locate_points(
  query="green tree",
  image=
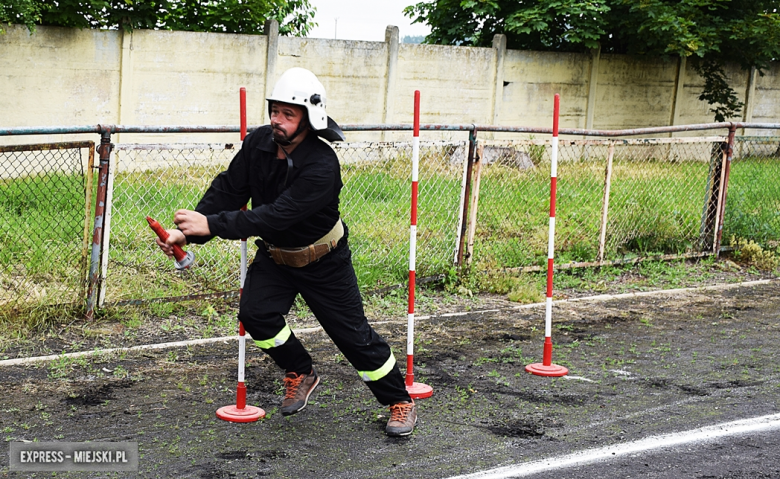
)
(295, 17)
(240, 16)
(712, 33)
(25, 12)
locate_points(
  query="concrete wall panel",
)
(455, 83)
(60, 77)
(693, 110)
(193, 78)
(634, 92)
(767, 99)
(352, 72)
(531, 80)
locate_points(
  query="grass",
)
(42, 234)
(753, 203)
(655, 207)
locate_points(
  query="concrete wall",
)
(634, 91)
(767, 94)
(60, 76)
(352, 72)
(530, 81)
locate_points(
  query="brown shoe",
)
(298, 388)
(403, 417)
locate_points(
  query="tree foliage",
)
(295, 17)
(26, 12)
(712, 32)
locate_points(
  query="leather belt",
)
(299, 257)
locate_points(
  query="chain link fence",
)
(753, 201)
(376, 205)
(45, 222)
(156, 180)
(616, 199)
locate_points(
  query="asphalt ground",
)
(641, 368)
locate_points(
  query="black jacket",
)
(287, 216)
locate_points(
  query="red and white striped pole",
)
(240, 412)
(546, 367)
(415, 390)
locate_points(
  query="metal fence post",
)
(97, 232)
(710, 217)
(605, 203)
(474, 204)
(724, 186)
(467, 194)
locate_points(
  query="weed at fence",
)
(137, 268)
(751, 253)
(379, 226)
(657, 209)
(490, 278)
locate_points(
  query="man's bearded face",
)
(285, 120)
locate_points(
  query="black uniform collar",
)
(300, 155)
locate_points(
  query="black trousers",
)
(329, 287)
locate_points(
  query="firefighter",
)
(293, 179)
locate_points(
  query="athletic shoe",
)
(298, 388)
(403, 417)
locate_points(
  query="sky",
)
(363, 19)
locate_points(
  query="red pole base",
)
(546, 367)
(551, 370)
(419, 390)
(240, 412)
(234, 414)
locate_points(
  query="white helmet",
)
(299, 86)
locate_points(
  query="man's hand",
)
(191, 223)
(174, 237)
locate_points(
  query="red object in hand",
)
(184, 259)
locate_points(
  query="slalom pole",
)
(546, 367)
(415, 390)
(240, 412)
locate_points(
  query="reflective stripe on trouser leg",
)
(277, 340)
(379, 373)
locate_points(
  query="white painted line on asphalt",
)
(609, 297)
(578, 378)
(715, 287)
(464, 313)
(665, 441)
(143, 347)
(12, 362)
(176, 344)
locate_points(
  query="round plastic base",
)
(234, 414)
(419, 391)
(553, 370)
(186, 262)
